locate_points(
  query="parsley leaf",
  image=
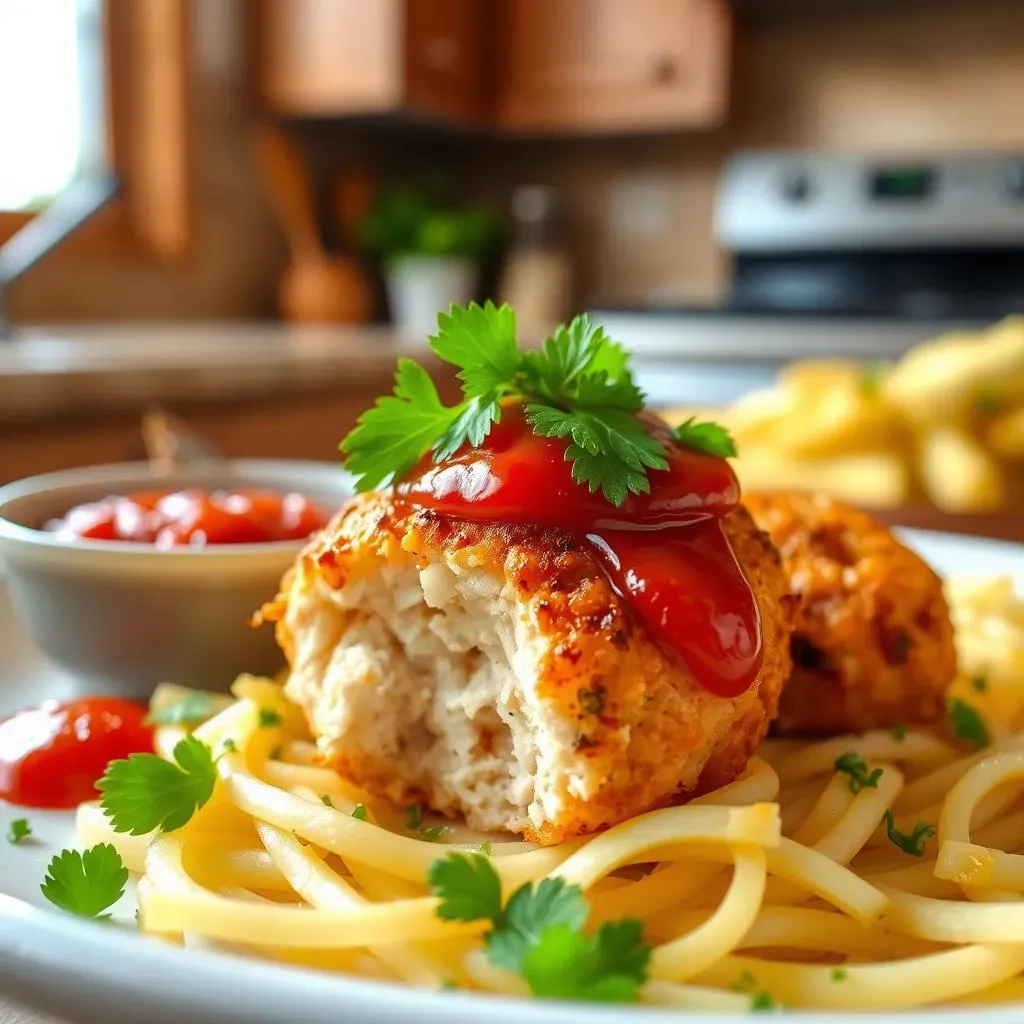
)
(412, 817)
(912, 843)
(531, 910)
(610, 452)
(229, 745)
(607, 967)
(468, 886)
(838, 974)
(359, 812)
(471, 426)
(433, 832)
(968, 724)
(708, 437)
(269, 718)
(762, 1002)
(389, 439)
(482, 341)
(872, 375)
(988, 402)
(191, 710)
(745, 982)
(573, 350)
(856, 767)
(484, 849)
(85, 883)
(144, 792)
(899, 731)
(18, 829)
(326, 800)
(539, 932)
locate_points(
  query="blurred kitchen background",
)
(241, 211)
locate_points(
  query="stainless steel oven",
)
(838, 255)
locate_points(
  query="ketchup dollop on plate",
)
(193, 518)
(52, 755)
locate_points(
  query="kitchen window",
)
(88, 85)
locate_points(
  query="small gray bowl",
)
(125, 616)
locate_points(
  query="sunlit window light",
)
(44, 48)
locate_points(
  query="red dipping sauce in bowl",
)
(126, 576)
(192, 518)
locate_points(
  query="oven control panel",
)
(792, 201)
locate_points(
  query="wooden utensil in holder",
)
(316, 287)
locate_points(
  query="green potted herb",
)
(431, 253)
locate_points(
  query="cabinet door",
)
(444, 67)
(614, 65)
(330, 56)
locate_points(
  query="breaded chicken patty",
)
(492, 671)
(873, 645)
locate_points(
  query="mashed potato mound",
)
(490, 671)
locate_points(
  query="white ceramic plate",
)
(89, 972)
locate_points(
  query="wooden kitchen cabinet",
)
(613, 65)
(558, 66)
(351, 57)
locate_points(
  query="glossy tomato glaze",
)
(193, 518)
(666, 551)
(51, 756)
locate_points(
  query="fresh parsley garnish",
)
(838, 974)
(484, 849)
(269, 718)
(899, 731)
(326, 800)
(577, 386)
(144, 792)
(592, 701)
(709, 437)
(968, 724)
(759, 1001)
(745, 982)
(853, 765)
(359, 812)
(871, 378)
(979, 684)
(229, 745)
(17, 830)
(85, 883)
(413, 816)
(912, 843)
(539, 935)
(190, 710)
(988, 402)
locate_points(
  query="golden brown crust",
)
(642, 722)
(874, 643)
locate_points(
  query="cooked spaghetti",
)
(873, 871)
